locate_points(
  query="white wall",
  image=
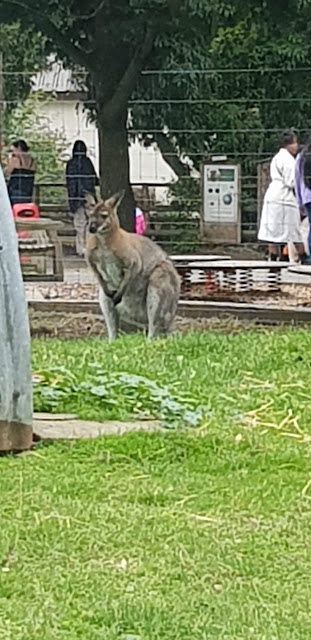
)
(69, 119)
(63, 117)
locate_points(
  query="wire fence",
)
(182, 124)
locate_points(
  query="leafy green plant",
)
(134, 395)
(24, 53)
(46, 146)
(186, 194)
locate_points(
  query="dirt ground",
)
(80, 285)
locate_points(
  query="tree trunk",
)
(15, 367)
(115, 166)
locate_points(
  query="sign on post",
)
(221, 202)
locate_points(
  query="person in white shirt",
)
(280, 218)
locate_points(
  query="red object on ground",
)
(210, 284)
(25, 211)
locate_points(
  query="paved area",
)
(80, 283)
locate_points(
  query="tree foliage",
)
(115, 39)
(24, 53)
(47, 147)
(237, 87)
(235, 91)
(200, 103)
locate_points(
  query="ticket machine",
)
(221, 214)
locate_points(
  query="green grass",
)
(188, 534)
(219, 376)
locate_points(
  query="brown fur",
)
(138, 282)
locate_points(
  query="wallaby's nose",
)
(92, 227)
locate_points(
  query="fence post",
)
(15, 363)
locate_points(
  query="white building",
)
(66, 115)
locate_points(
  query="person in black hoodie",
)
(81, 178)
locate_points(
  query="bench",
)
(301, 269)
(185, 258)
(43, 246)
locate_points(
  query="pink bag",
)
(140, 224)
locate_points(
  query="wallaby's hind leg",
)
(110, 314)
(162, 299)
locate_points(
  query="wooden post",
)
(15, 364)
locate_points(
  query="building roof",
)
(55, 79)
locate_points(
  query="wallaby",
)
(138, 282)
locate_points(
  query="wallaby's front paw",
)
(110, 294)
(114, 296)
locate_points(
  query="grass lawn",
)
(191, 534)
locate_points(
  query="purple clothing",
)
(303, 193)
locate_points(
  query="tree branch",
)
(170, 155)
(53, 32)
(119, 100)
(93, 14)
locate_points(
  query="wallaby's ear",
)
(99, 206)
(115, 200)
(89, 200)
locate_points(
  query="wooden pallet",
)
(40, 249)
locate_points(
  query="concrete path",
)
(48, 426)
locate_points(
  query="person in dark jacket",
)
(20, 172)
(81, 178)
